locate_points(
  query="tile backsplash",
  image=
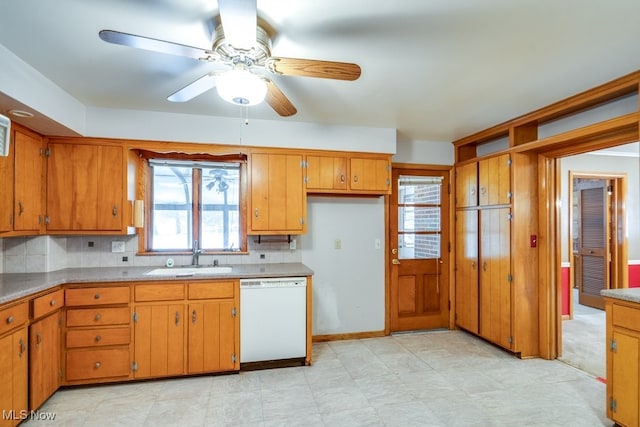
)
(49, 253)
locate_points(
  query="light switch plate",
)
(117, 246)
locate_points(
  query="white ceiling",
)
(432, 69)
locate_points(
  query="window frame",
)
(146, 232)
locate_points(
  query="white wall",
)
(591, 163)
(348, 284)
(424, 152)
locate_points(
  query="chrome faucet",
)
(196, 253)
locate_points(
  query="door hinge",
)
(306, 179)
(613, 405)
(135, 317)
(134, 366)
(47, 152)
(509, 161)
(234, 312)
(233, 358)
(613, 345)
(47, 220)
(449, 305)
(509, 277)
(303, 164)
(509, 195)
(449, 247)
(510, 340)
(301, 221)
(509, 216)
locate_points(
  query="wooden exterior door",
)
(419, 297)
(594, 241)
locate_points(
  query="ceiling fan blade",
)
(239, 21)
(194, 89)
(278, 101)
(314, 68)
(162, 46)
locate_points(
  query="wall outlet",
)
(337, 244)
(117, 246)
(292, 244)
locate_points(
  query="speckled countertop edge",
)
(14, 286)
(627, 294)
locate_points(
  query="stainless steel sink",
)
(188, 271)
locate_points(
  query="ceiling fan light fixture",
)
(241, 87)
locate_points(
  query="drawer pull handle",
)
(97, 365)
(9, 320)
(193, 317)
(355, 178)
(96, 296)
(98, 338)
(52, 302)
(177, 318)
(98, 317)
(38, 339)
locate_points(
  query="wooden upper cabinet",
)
(467, 185)
(370, 174)
(277, 199)
(326, 173)
(86, 186)
(29, 168)
(22, 175)
(494, 181)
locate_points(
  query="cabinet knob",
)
(96, 296)
(97, 317)
(9, 320)
(97, 365)
(342, 179)
(52, 302)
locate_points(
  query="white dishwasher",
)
(273, 319)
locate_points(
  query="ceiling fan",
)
(243, 50)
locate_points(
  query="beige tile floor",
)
(445, 378)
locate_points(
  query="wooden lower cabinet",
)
(44, 359)
(212, 337)
(97, 334)
(623, 362)
(466, 307)
(14, 364)
(159, 343)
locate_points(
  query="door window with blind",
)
(419, 224)
(195, 201)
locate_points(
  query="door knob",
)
(394, 251)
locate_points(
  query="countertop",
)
(627, 294)
(17, 285)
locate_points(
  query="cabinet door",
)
(370, 174)
(495, 276)
(277, 194)
(494, 181)
(624, 383)
(467, 270)
(326, 173)
(159, 340)
(44, 358)
(212, 332)
(6, 190)
(13, 376)
(467, 185)
(85, 185)
(29, 167)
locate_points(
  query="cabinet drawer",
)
(88, 364)
(47, 303)
(97, 296)
(159, 292)
(98, 337)
(626, 317)
(14, 316)
(211, 290)
(98, 316)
